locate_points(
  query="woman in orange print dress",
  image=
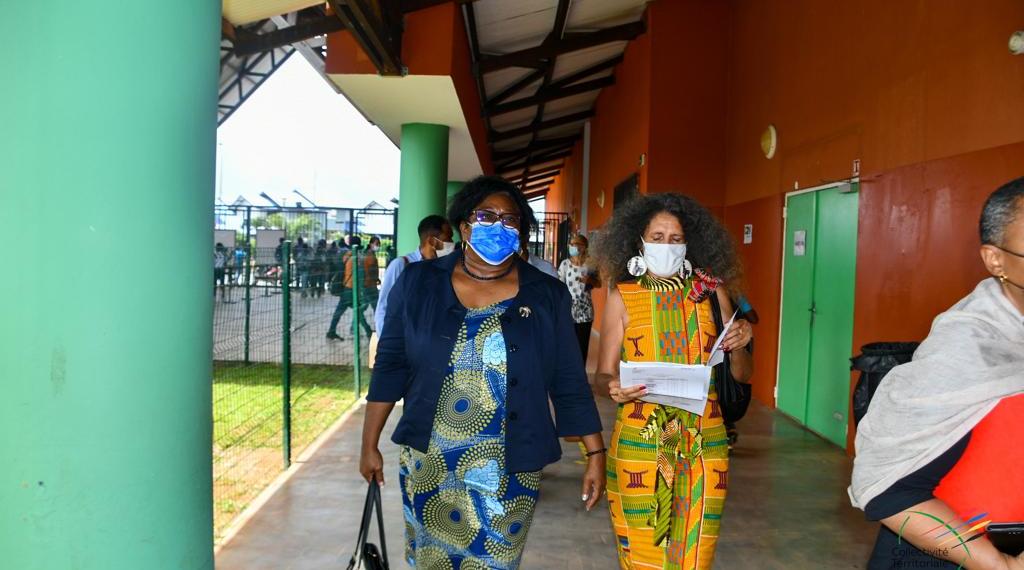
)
(669, 261)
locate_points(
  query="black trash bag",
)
(874, 362)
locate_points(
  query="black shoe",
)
(334, 336)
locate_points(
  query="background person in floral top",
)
(580, 280)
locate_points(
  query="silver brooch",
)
(524, 312)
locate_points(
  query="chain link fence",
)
(279, 381)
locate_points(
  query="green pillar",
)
(107, 190)
(423, 180)
(453, 188)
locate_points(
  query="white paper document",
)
(717, 356)
(666, 379)
(683, 386)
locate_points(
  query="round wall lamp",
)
(769, 141)
(1017, 43)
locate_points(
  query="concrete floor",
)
(310, 319)
(786, 509)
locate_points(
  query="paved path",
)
(310, 319)
(787, 509)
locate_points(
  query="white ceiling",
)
(240, 12)
(391, 102)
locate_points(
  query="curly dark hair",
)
(477, 190)
(708, 245)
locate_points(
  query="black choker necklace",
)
(481, 277)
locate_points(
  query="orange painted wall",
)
(619, 135)
(923, 94)
(434, 43)
(566, 192)
(465, 84)
(689, 63)
(427, 45)
(620, 131)
(891, 83)
(917, 251)
(926, 95)
(762, 261)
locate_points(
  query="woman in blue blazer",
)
(477, 344)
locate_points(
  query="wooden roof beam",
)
(587, 72)
(497, 136)
(538, 145)
(520, 163)
(528, 80)
(516, 173)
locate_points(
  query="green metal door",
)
(835, 261)
(797, 297)
(817, 326)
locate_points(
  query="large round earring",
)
(636, 266)
(687, 270)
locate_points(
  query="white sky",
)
(295, 132)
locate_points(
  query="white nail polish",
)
(585, 497)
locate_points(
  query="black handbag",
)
(733, 396)
(367, 556)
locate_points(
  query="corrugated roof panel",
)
(504, 26)
(568, 105)
(596, 14)
(563, 131)
(569, 63)
(513, 119)
(497, 81)
(512, 144)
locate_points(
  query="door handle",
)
(814, 311)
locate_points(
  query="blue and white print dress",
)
(462, 510)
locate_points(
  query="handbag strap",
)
(725, 384)
(375, 492)
(364, 525)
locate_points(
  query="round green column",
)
(423, 180)
(453, 188)
(107, 192)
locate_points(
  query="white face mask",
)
(664, 259)
(446, 248)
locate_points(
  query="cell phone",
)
(1008, 538)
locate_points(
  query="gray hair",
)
(1001, 209)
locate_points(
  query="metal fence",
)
(550, 238)
(278, 380)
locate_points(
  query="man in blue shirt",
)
(537, 261)
(435, 241)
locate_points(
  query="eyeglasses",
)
(1011, 252)
(489, 218)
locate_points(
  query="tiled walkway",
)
(787, 509)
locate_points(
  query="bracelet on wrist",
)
(590, 454)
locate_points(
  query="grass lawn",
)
(248, 426)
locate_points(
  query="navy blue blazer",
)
(422, 322)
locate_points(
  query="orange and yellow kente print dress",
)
(667, 468)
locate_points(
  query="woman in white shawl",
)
(917, 442)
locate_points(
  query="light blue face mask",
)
(494, 243)
(574, 251)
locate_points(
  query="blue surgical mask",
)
(494, 243)
(574, 251)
